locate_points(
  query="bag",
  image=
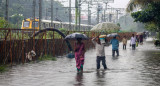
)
(71, 55)
(136, 44)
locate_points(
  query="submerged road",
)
(140, 67)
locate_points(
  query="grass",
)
(3, 68)
(47, 57)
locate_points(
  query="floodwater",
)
(140, 67)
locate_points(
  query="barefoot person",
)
(115, 46)
(124, 40)
(100, 52)
(79, 49)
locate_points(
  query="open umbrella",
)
(113, 35)
(105, 26)
(74, 36)
(139, 33)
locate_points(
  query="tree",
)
(150, 15)
(133, 4)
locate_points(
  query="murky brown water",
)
(140, 67)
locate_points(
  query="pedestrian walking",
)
(137, 40)
(115, 46)
(79, 49)
(141, 39)
(100, 52)
(133, 42)
(124, 40)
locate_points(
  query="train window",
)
(26, 24)
(44, 25)
(35, 23)
(49, 24)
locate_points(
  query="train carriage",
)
(29, 24)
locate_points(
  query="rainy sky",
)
(119, 3)
(116, 4)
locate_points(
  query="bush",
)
(2, 68)
(47, 57)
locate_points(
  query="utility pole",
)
(6, 13)
(105, 11)
(51, 13)
(88, 14)
(70, 15)
(79, 15)
(98, 14)
(117, 15)
(34, 3)
(40, 14)
(76, 14)
(56, 14)
(46, 13)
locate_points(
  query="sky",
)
(119, 3)
(116, 4)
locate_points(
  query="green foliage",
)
(47, 57)
(62, 29)
(151, 14)
(151, 27)
(3, 68)
(119, 24)
(16, 17)
(3, 23)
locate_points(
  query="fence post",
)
(53, 44)
(45, 44)
(10, 48)
(22, 49)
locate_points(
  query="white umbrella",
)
(76, 35)
(105, 26)
(139, 33)
(112, 35)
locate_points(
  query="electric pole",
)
(98, 14)
(105, 11)
(117, 15)
(89, 16)
(76, 14)
(70, 15)
(79, 15)
(40, 13)
(6, 13)
(34, 3)
(51, 13)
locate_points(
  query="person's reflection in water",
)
(100, 78)
(115, 58)
(79, 79)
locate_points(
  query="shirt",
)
(100, 51)
(133, 40)
(124, 41)
(115, 44)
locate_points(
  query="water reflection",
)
(100, 78)
(79, 79)
(115, 57)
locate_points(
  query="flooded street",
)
(140, 67)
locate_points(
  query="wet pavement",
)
(140, 67)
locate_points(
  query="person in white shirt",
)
(100, 52)
(133, 42)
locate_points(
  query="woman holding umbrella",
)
(79, 49)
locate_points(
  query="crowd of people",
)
(79, 49)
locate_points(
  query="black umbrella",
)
(76, 36)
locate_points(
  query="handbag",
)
(71, 55)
